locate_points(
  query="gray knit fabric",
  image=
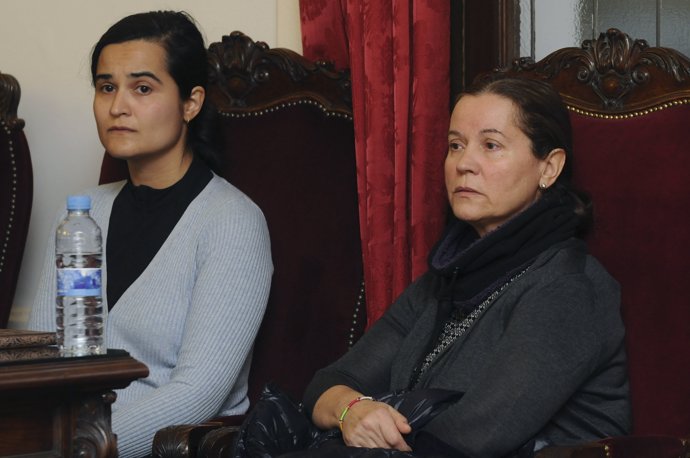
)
(191, 316)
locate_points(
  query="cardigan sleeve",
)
(42, 316)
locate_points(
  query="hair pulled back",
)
(544, 119)
(187, 63)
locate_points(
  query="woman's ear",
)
(192, 106)
(552, 166)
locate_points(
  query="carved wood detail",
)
(244, 73)
(93, 436)
(219, 442)
(10, 93)
(60, 407)
(178, 441)
(612, 74)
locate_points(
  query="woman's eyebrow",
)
(108, 76)
(492, 131)
(149, 74)
(483, 131)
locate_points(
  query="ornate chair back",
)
(287, 141)
(16, 192)
(630, 115)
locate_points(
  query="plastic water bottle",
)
(80, 315)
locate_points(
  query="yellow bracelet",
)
(346, 409)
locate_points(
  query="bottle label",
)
(79, 282)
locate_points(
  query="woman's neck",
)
(158, 173)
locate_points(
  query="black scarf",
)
(473, 267)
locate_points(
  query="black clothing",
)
(141, 220)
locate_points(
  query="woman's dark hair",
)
(187, 63)
(544, 119)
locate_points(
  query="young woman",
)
(187, 261)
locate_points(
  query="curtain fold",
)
(398, 53)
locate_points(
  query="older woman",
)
(513, 313)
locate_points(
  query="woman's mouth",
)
(464, 190)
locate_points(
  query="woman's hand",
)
(366, 423)
(375, 425)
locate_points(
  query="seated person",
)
(513, 314)
(187, 262)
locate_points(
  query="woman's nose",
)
(119, 105)
(465, 162)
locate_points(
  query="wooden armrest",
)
(184, 441)
(180, 440)
(623, 447)
(219, 442)
(590, 450)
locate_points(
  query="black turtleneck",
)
(141, 220)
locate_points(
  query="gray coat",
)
(546, 359)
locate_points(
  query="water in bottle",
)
(80, 313)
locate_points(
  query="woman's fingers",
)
(400, 421)
(375, 425)
(393, 438)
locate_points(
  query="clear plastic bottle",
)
(80, 317)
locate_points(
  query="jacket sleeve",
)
(366, 367)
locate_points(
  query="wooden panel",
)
(486, 37)
(36, 425)
(60, 407)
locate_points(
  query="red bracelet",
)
(346, 409)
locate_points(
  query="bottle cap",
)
(78, 202)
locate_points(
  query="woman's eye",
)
(107, 88)
(454, 146)
(491, 146)
(143, 89)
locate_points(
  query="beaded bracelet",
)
(347, 408)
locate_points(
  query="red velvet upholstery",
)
(631, 118)
(638, 171)
(298, 166)
(112, 170)
(288, 143)
(16, 192)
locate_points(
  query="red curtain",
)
(398, 52)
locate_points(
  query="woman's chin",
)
(120, 154)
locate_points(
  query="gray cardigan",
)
(191, 316)
(546, 359)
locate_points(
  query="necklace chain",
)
(458, 325)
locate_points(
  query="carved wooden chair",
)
(630, 110)
(288, 143)
(16, 192)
